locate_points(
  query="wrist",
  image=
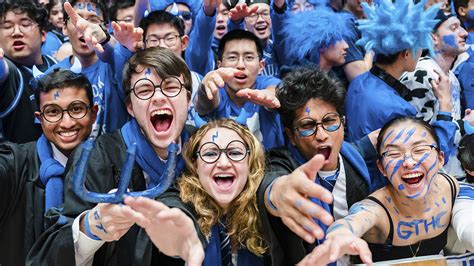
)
(87, 229)
(270, 204)
(107, 36)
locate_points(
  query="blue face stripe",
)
(386, 137)
(395, 169)
(398, 136)
(422, 159)
(409, 134)
(388, 164)
(450, 40)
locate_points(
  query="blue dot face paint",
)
(450, 40)
(307, 111)
(401, 187)
(424, 134)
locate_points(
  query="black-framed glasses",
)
(416, 152)
(210, 152)
(254, 16)
(144, 88)
(54, 113)
(307, 127)
(170, 40)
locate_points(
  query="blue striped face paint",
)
(398, 136)
(409, 134)
(395, 169)
(422, 159)
(386, 137)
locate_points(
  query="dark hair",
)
(306, 83)
(49, 6)
(458, 4)
(61, 79)
(98, 4)
(165, 63)
(239, 34)
(35, 12)
(387, 59)
(119, 5)
(405, 119)
(466, 152)
(162, 17)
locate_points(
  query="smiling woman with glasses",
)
(410, 216)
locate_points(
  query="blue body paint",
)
(437, 205)
(401, 187)
(388, 199)
(398, 136)
(444, 200)
(409, 134)
(96, 215)
(333, 228)
(406, 229)
(450, 40)
(101, 228)
(424, 134)
(386, 137)
(147, 72)
(215, 136)
(427, 209)
(388, 164)
(396, 210)
(395, 169)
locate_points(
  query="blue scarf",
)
(146, 156)
(213, 252)
(296, 154)
(51, 174)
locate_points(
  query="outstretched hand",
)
(264, 98)
(129, 36)
(171, 230)
(336, 247)
(291, 196)
(216, 79)
(240, 11)
(93, 33)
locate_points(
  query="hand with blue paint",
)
(264, 97)
(129, 36)
(170, 229)
(291, 195)
(106, 222)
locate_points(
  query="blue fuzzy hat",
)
(193, 5)
(393, 27)
(309, 32)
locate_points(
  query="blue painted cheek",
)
(401, 187)
(395, 169)
(422, 159)
(450, 40)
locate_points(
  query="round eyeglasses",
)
(54, 113)
(25, 26)
(169, 40)
(144, 88)
(210, 152)
(307, 127)
(416, 153)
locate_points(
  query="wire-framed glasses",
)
(54, 113)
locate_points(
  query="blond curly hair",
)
(243, 225)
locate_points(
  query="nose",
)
(321, 134)
(67, 121)
(408, 161)
(463, 32)
(345, 46)
(158, 96)
(16, 29)
(240, 63)
(223, 161)
(161, 43)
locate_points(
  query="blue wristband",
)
(270, 203)
(468, 128)
(88, 229)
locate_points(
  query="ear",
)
(380, 166)
(184, 42)
(130, 108)
(38, 116)
(435, 37)
(43, 36)
(219, 63)
(94, 111)
(462, 11)
(261, 66)
(291, 135)
(440, 159)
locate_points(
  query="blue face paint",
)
(398, 136)
(444, 200)
(409, 134)
(215, 136)
(101, 228)
(388, 164)
(56, 95)
(424, 134)
(427, 209)
(389, 200)
(307, 111)
(395, 169)
(450, 40)
(386, 137)
(422, 159)
(147, 72)
(401, 187)
(437, 205)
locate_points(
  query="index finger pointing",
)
(71, 13)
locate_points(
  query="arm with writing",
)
(344, 236)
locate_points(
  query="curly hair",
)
(35, 12)
(243, 225)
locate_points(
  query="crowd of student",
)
(255, 132)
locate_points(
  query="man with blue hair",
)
(396, 32)
(449, 41)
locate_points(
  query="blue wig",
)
(193, 5)
(394, 27)
(308, 32)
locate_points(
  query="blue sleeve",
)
(279, 38)
(199, 55)
(445, 130)
(466, 78)
(121, 54)
(3, 70)
(51, 45)
(264, 81)
(354, 52)
(234, 26)
(365, 148)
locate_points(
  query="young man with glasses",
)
(236, 86)
(158, 91)
(317, 176)
(85, 26)
(22, 31)
(31, 176)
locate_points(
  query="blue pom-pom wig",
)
(394, 27)
(307, 33)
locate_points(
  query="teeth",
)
(161, 112)
(413, 175)
(223, 175)
(68, 133)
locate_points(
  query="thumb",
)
(311, 168)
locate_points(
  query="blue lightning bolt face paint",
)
(214, 137)
(56, 95)
(147, 72)
(307, 111)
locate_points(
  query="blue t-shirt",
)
(52, 44)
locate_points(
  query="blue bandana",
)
(51, 174)
(146, 156)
